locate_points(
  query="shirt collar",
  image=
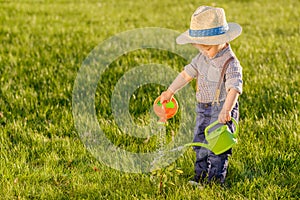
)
(222, 56)
(222, 52)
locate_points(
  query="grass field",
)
(43, 45)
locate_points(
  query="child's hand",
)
(224, 116)
(230, 101)
(166, 96)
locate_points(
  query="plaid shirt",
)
(208, 71)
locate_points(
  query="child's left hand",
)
(231, 99)
(224, 116)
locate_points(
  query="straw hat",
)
(209, 27)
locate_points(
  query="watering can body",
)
(165, 110)
(220, 139)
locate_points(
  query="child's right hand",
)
(166, 96)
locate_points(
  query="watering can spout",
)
(198, 144)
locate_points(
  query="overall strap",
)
(218, 91)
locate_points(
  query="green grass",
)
(43, 44)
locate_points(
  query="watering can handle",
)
(217, 122)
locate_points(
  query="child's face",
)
(209, 50)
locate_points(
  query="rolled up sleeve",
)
(191, 69)
(234, 77)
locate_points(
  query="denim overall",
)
(208, 166)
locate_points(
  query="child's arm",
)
(180, 81)
(230, 101)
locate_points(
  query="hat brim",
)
(234, 31)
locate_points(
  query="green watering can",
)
(219, 140)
